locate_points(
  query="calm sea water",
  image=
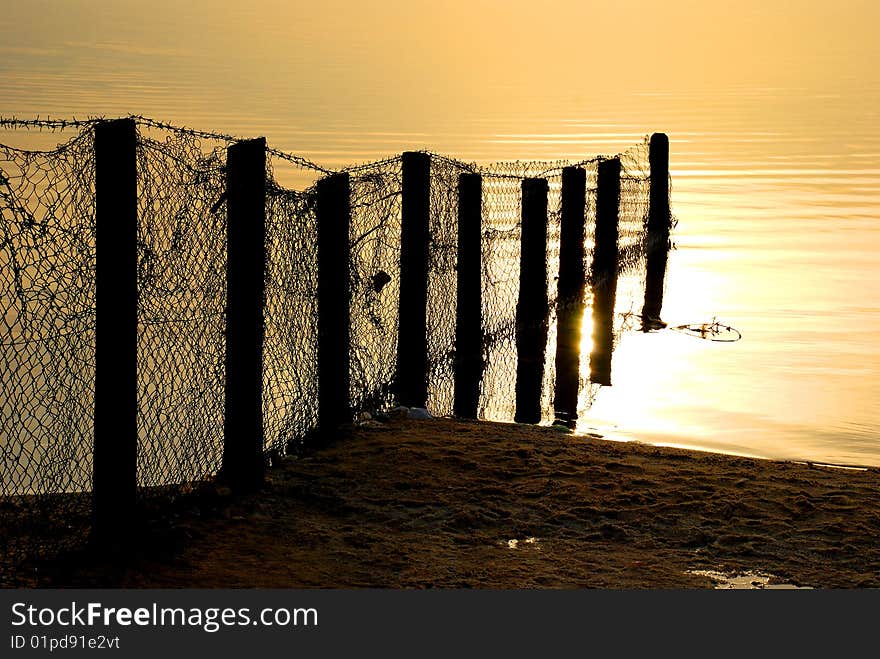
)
(775, 189)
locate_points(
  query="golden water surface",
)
(772, 108)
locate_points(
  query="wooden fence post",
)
(570, 295)
(243, 464)
(412, 342)
(468, 308)
(604, 271)
(114, 487)
(532, 307)
(659, 225)
(334, 297)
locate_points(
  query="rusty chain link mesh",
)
(290, 343)
(47, 348)
(375, 282)
(181, 301)
(635, 180)
(502, 196)
(442, 276)
(47, 271)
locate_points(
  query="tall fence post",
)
(334, 322)
(570, 296)
(114, 464)
(412, 352)
(243, 464)
(659, 225)
(604, 271)
(532, 307)
(468, 307)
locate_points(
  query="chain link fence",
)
(47, 348)
(47, 302)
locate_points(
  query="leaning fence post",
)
(243, 465)
(604, 270)
(114, 488)
(659, 220)
(334, 218)
(532, 307)
(468, 307)
(412, 352)
(570, 296)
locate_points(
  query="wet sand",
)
(455, 504)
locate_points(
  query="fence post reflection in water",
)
(412, 354)
(532, 307)
(468, 323)
(114, 487)
(570, 294)
(659, 224)
(243, 464)
(605, 268)
(334, 295)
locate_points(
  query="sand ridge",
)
(459, 504)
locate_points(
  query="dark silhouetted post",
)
(570, 297)
(243, 464)
(532, 307)
(334, 218)
(659, 224)
(468, 308)
(116, 301)
(604, 271)
(412, 353)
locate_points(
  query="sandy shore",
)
(452, 504)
